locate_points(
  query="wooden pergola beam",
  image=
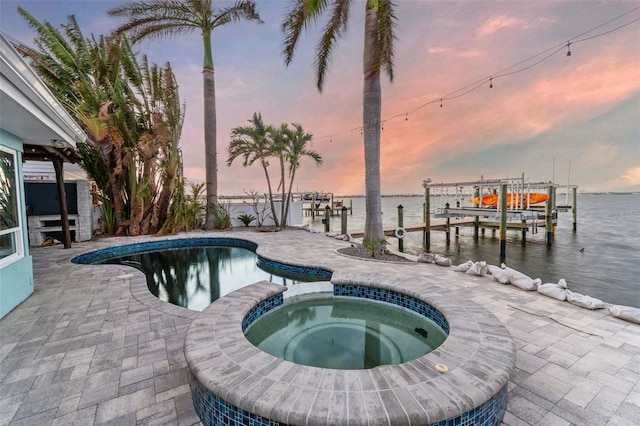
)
(58, 156)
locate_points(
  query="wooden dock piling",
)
(476, 226)
(503, 222)
(327, 219)
(549, 216)
(400, 225)
(427, 217)
(343, 221)
(574, 207)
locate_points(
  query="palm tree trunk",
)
(116, 197)
(371, 113)
(211, 160)
(283, 218)
(161, 208)
(273, 208)
(293, 175)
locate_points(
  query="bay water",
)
(601, 259)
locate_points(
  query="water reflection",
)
(194, 277)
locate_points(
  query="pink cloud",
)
(632, 176)
(498, 23)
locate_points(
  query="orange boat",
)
(518, 200)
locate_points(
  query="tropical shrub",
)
(246, 218)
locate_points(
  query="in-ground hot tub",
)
(344, 333)
(464, 380)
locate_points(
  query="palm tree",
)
(167, 18)
(130, 111)
(253, 143)
(296, 149)
(378, 54)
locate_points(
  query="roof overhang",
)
(28, 109)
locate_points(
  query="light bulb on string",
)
(491, 83)
(568, 48)
(440, 102)
(406, 116)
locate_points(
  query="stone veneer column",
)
(85, 213)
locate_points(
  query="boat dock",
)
(442, 225)
(316, 203)
(495, 204)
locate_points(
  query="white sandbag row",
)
(344, 237)
(559, 291)
(472, 268)
(504, 274)
(434, 258)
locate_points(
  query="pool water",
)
(344, 333)
(195, 277)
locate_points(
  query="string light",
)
(550, 52)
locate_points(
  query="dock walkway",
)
(441, 225)
(93, 346)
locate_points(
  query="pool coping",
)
(479, 353)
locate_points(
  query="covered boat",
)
(513, 200)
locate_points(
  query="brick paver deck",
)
(84, 350)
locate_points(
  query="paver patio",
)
(93, 346)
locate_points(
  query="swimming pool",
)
(193, 273)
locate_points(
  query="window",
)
(10, 229)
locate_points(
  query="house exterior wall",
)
(16, 277)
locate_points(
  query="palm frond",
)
(300, 15)
(386, 24)
(241, 10)
(333, 30)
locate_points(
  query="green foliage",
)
(221, 214)
(374, 246)
(108, 218)
(186, 210)
(95, 166)
(246, 218)
(130, 111)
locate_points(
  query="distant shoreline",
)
(229, 197)
(422, 195)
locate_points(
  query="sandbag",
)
(626, 313)
(425, 258)
(526, 283)
(584, 301)
(498, 274)
(553, 290)
(562, 284)
(464, 267)
(513, 274)
(478, 268)
(441, 260)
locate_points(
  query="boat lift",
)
(509, 204)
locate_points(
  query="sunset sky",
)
(580, 111)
